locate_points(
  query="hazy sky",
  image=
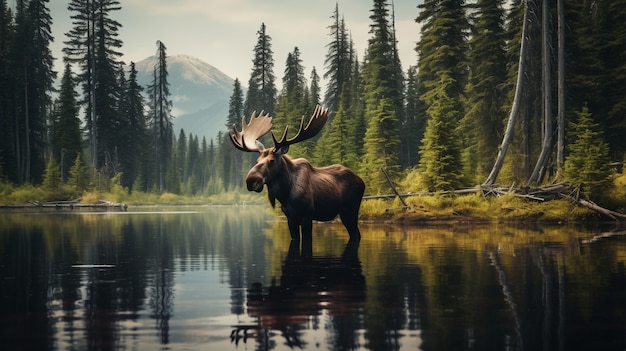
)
(223, 32)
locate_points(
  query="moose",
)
(305, 192)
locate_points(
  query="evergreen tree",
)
(52, 179)
(440, 160)
(8, 161)
(442, 47)
(381, 102)
(161, 120)
(337, 61)
(609, 26)
(78, 180)
(292, 102)
(92, 44)
(587, 165)
(261, 95)
(415, 119)
(314, 91)
(31, 62)
(40, 77)
(483, 123)
(134, 137)
(234, 160)
(181, 151)
(66, 135)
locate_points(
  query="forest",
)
(522, 92)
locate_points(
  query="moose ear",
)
(282, 150)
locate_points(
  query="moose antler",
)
(247, 139)
(316, 122)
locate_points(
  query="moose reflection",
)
(308, 287)
(306, 193)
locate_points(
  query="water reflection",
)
(309, 287)
(229, 278)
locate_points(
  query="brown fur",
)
(308, 193)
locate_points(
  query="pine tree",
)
(261, 95)
(92, 44)
(587, 165)
(32, 86)
(52, 179)
(234, 160)
(8, 83)
(161, 120)
(134, 137)
(78, 180)
(415, 119)
(337, 63)
(66, 135)
(382, 98)
(314, 90)
(483, 123)
(440, 160)
(40, 77)
(442, 45)
(292, 102)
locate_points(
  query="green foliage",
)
(261, 94)
(587, 165)
(52, 177)
(381, 147)
(440, 165)
(78, 176)
(483, 124)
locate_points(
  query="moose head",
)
(305, 192)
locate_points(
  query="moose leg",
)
(350, 219)
(294, 229)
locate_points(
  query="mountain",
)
(199, 92)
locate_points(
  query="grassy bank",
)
(431, 208)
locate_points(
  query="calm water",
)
(226, 278)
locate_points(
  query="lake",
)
(228, 278)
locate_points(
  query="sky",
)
(224, 33)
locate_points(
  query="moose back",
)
(305, 192)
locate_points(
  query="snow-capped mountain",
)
(199, 93)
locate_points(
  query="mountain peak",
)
(199, 92)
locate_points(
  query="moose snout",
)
(254, 182)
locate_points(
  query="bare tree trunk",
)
(546, 145)
(508, 134)
(560, 149)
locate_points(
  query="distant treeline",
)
(525, 93)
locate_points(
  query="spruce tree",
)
(78, 180)
(233, 162)
(337, 62)
(381, 102)
(440, 160)
(92, 44)
(587, 164)
(292, 102)
(483, 123)
(314, 90)
(261, 94)
(415, 119)
(66, 135)
(161, 119)
(442, 45)
(52, 179)
(8, 82)
(134, 137)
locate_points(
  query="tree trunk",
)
(508, 134)
(546, 145)
(560, 149)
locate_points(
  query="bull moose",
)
(305, 192)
